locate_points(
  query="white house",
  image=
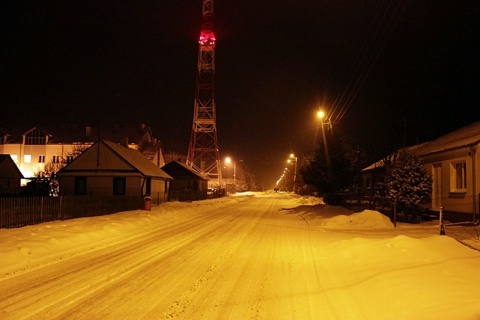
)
(453, 161)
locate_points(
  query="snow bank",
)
(364, 219)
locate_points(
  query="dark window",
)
(149, 186)
(119, 186)
(80, 185)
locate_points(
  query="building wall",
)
(159, 192)
(103, 186)
(9, 186)
(448, 190)
(32, 159)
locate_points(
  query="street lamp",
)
(294, 158)
(321, 115)
(229, 160)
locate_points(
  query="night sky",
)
(377, 66)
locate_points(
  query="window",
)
(41, 159)
(148, 186)
(56, 159)
(69, 158)
(119, 186)
(458, 178)
(80, 185)
(27, 158)
(14, 157)
(35, 137)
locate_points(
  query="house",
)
(111, 169)
(10, 176)
(187, 184)
(42, 150)
(453, 161)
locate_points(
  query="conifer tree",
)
(332, 174)
(407, 183)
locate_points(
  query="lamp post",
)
(229, 160)
(235, 173)
(294, 158)
(321, 115)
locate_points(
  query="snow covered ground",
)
(253, 256)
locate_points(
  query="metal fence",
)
(18, 212)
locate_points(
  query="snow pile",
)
(364, 219)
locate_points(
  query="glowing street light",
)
(294, 158)
(229, 160)
(321, 116)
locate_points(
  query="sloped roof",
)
(105, 155)
(381, 163)
(465, 136)
(170, 168)
(8, 168)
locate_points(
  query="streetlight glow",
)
(320, 114)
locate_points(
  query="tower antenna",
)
(203, 154)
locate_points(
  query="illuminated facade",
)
(41, 150)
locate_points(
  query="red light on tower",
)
(207, 37)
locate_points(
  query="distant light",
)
(320, 114)
(228, 159)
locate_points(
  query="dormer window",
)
(35, 137)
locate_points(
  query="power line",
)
(385, 21)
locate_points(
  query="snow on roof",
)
(186, 167)
(137, 160)
(465, 136)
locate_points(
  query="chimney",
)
(88, 131)
(142, 126)
(125, 142)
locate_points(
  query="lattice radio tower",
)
(203, 154)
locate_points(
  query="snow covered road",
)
(237, 258)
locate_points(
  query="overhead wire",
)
(377, 37)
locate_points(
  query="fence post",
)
(441, 230)
(395, 214)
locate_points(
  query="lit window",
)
(458, 178)
(14, 157)
(27, 158)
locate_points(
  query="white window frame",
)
(458, 176)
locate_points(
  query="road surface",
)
(249, 259)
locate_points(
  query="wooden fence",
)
(18, 212)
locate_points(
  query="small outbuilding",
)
(111, 169)
(10, 175)
(187, 184)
